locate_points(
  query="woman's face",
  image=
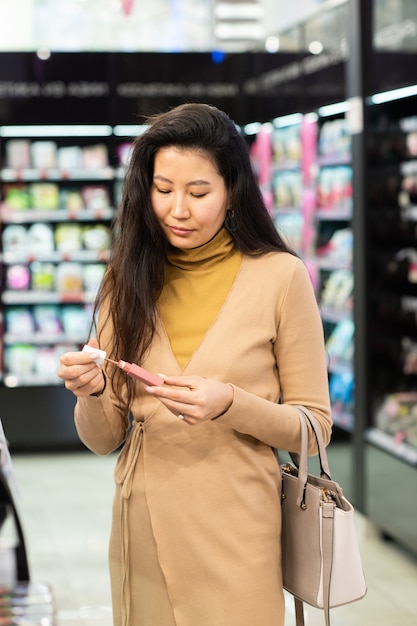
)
(188, 196)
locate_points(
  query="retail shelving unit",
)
(287, 179)
(333, 253)
(391, 436)
(284, 159)
(57, 190)
(310, 184)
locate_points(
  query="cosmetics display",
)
(310, 179)
(286, 178)
(287, 182)
(334, 256)
(393, 278)
(312, 193)
(56, 210)
(391, 435)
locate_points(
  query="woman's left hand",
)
(195, 398)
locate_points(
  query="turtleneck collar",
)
(212, 252)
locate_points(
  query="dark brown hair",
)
(135, 273)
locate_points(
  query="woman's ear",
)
(230, 220)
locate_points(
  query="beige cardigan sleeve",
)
(102, 422)
(100, 426)
(301, 368)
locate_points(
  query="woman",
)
(201, 288)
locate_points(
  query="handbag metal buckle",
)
(326, 495)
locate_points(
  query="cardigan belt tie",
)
(124, 474)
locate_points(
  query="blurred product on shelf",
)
(340, 345)
(334, 188)
(24, 154)
(17, 197)
(397, 415)
(337, 292)
(335, 139)
(338, 249)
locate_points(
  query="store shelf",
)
(334, 160)
(28, 216)
(391, 505)
(341, 213)
(286, 166)
(333, 315)
(392, 445)
(81, 256)
(31, 380)
(330, 264)
(47, 297)
(55, 174)
(39, 338)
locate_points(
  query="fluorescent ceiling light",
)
(242, 30)
(394, 94)
(89, 130)
(334, 109)
(311, 118)
(272, 43)
(130, 130)
(287, 120)
(43, 54)
(316, 47)
(252, 128)
(239, 11)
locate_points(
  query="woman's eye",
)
(164, 191)
(198, 195)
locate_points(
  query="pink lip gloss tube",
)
(139, 373)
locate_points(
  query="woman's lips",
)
(179, 232)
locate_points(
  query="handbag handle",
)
(304, 415)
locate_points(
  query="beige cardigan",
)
(213, 490)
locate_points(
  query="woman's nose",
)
(180, 206)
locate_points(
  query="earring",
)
(230, 222)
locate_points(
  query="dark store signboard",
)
(120, 88)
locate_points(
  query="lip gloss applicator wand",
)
(131, 369)
(139, 373)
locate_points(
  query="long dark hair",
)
(135, 274)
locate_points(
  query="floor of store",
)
(65, 504)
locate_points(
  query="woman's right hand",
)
(80, 373)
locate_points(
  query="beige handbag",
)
(321, 562)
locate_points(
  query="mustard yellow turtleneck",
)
(197, 282)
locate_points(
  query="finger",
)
(182, 381)
(78, 371)
(84, 384)
(76, 358)
(173, 397)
